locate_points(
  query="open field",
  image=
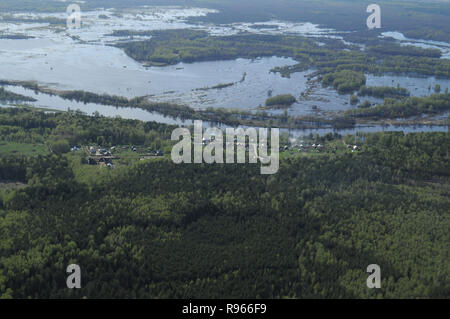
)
(22, 149)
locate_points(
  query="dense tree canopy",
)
(159, 230)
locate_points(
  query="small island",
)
(284, 100)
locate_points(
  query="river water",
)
(56, 103)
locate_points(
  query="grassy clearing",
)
(22, 149)
(94, 174)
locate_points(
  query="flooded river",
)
(84, 60)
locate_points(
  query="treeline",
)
(404, 50)
(413, 106)
(345, 81)
(8, 96)
(383, 91)
(22, 125)
(25, 125)
(284, 99)
(428, 34)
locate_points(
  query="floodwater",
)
(417, 86)
(250, 83)
(444, 47)
(53, 102)
(83, 59)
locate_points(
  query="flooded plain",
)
(83, 59)
(54, 102)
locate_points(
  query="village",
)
(107, 157)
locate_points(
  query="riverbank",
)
(231, 117)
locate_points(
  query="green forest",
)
(405, 107)
(154, 229)
(383, 92)
(284, 99)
